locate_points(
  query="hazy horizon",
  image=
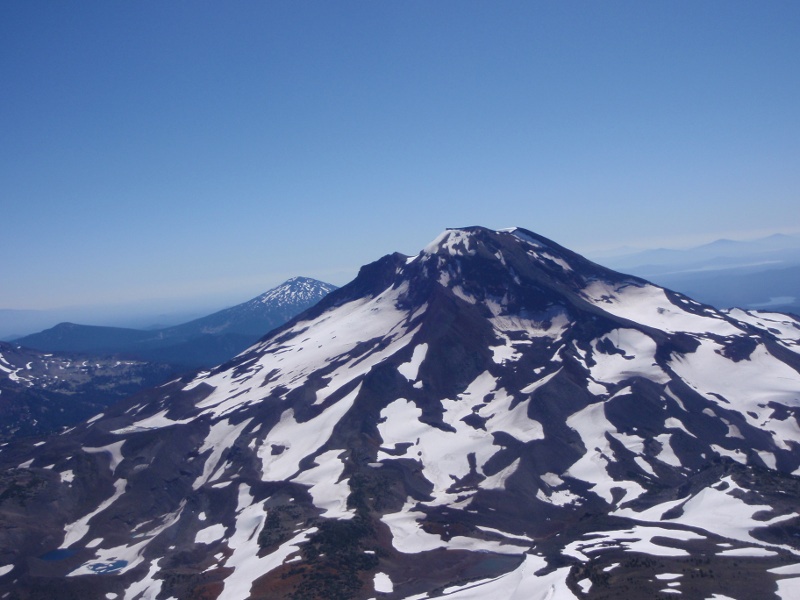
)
(149, 313)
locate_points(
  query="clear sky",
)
(189, 149)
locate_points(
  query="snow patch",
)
(113, 450)
(410, 369)
(382, 583)
(299, 440)
(245, 561)
(210, 534)
(327, 491)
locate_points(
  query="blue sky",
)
(185, 151)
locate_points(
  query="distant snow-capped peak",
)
(296, 290)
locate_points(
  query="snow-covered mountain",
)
(203, 342)
(262, 313)
(494, 417)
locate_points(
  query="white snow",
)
(329, 493)
(735, 454)
(786, 570)
(498, 480)
(410, 369)
(127, 557)
(557, 260)
(124, 558)
(5, 569)
(636, 539)
(95, 418)
(300, 439)
(789, 588)
(552, 324)
(77, 530)
(768, 458)
(748, 384)
(645, 466)
(382, 583)
(552, 479)
(326, 340)
(520, 584)
(638, 360)
(782, 326)
(247, 565)
(519, 234)
(650, 306)
(157, 421)
(722, 513)
(449, 241)
(399, 422)
(591, 424)
(113, 450)
(147, 588)
(443, 455)
(505, 353)
(409, 537)
(747, 552)
(221, 436)
(667, 454)
(210, 534)
(733, 430)
(512, 536)
(461, 293)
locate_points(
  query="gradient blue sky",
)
(209, 150)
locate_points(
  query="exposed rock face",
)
(494, 417)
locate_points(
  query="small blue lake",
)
(59, 554)
(107, 567)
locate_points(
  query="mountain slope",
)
(496, 416)
(203, 342)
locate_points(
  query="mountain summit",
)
(494, 417)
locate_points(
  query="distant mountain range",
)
(762, 273)
(204, 342)
(16, 323)
(495, 417)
